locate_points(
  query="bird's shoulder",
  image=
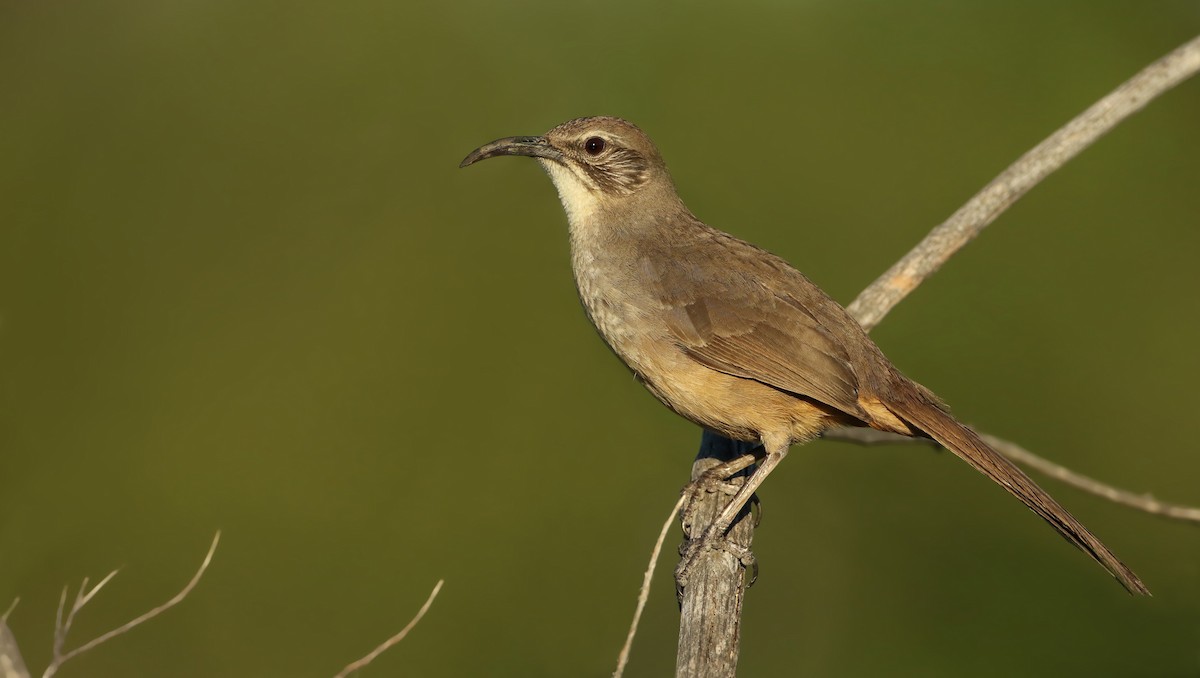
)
(704, 264)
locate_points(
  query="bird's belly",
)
(738, 408)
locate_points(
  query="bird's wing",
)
(770, 336)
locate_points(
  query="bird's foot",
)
(692, 550)
(709, 483)
(714, 481)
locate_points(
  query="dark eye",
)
(594, 145)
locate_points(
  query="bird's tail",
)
(923, 413)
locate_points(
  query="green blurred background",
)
(243, 285)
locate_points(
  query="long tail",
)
(965, 443)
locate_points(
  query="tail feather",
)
(967, 445)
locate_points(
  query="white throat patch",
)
(578, 196)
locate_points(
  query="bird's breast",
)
(621, 294)
(605, 300)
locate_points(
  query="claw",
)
(756, 510)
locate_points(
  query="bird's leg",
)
(714, 480)
(746, 492)
(714, 535)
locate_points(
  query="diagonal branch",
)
(944, 241)
(985, 206)
(383, 647)
(644, 592)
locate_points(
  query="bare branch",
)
(356, 665)
(1030, 169)
(63, 626)
(4, 617)
(1020, 455)
(644, 593)
(1141, 502)
(927, 257)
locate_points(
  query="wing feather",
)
(777, 343)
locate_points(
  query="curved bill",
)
(535, 147)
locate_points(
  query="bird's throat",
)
(579, 199)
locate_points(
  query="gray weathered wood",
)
(711, 602)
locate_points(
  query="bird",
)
(730, 336)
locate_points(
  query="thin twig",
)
(81, 599)
(1020, 455)
(4, 617)
(927, 257)
(63, 627)
(356, 665)
(644, 593)
(1141, 502)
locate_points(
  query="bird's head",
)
(595, 163)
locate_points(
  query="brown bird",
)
(730, 336)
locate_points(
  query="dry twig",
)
(63, 625)
(1019, 455)
(870, 307)
(644, 592)
(944, 241)
(383, 647)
